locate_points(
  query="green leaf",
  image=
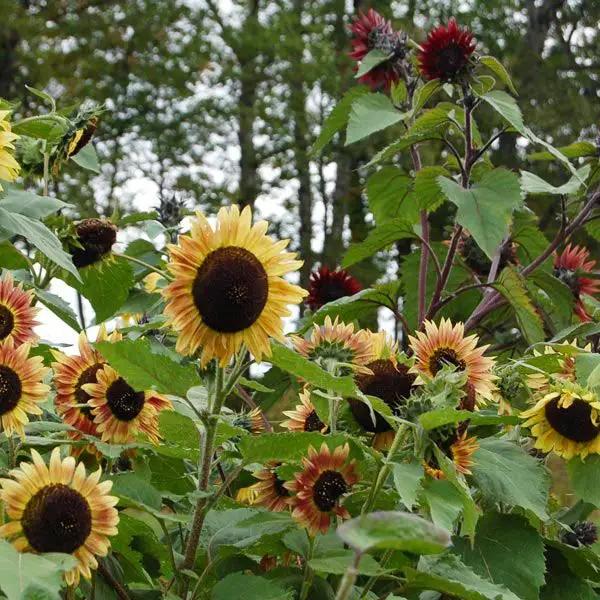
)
(574, 150)
(583, 475)
(427, 188)
(180, 434)
(430, 121)
(387, 191)
(370, 61)
(43, 95)
(45, 127)
(494, 65)
(249, 587)
(444, 416)
(292, 362)
(337, 564)
(144, 369)
(587, 367)
(29, 204)
(59, 307)
(133, 490)
(486, 208)
(512, 286)
(379, 238)
(369, 114)
(12, 258)
(424, 93)
(39, 235)
(508, 551)
(393, 530)
(407, 479)
(533, 184)
(87, 158)
(445, 502)
(562, 583)
(447, 574)
(555, 298)
(337, 118)
(506, 474)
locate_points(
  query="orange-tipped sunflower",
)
(17, 315)
(335, 342)
(319, 487)
(565, 421)
(21, 387)
(228, 290)
(252, 422)
(447, 345)
(71, 373)
(59, 509)
(121, 412)
(270, 491)
(460, 451)
(304, 417)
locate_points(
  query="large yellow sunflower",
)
(565, 420)
(71, 373)
(17, 315)
(21, 387)
(9, 167)
(459, 450)
(447, 345)
(228, 289)
(59, 509)
(120, 411)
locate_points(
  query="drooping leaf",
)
(26, 203)
(370, 61)
(533, 184)
(50, 127)
(87, 159)
(574, 150)
(371, 113)
(59, 307)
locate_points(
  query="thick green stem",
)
(308, 572)
(345, 588)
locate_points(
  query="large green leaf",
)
(506, 474)
(249, 587)
(59, 307)
(486, 208)
(370, 61)
(12, 258)
(369, 114)
(533, 184)
(508, 551)
(445, 502)
(29, 204)
(584, 478)
(387, 192)
(87, 159)
(427, 190)
(496, 67)
(562, 583)
(180, 434)
(144, 369)
(574, 150)
(554, 296)
(407, 479)
(50, 127)
(339, 563)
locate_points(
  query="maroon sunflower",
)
(372, 32)
(327, 285)
(446, 53)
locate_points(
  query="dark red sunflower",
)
(327, 285)
(372, 32)
(568, 267)
(446, 53)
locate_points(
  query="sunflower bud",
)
(95, 238)
(584, 533)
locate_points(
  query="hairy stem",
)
(308, 572)
(347, 582)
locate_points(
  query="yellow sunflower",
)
(565, 421)
(21, 387)
(460, 452)
(120, 411)
(228, 289)
(335, 342)
(304, 417)
(17, 315)
(59, 509)
(270, 491)
(9, 167)
(71, 373)
(319, 487)
(447, 345)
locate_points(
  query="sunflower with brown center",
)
(82, 137)
(71, 373)
(59, 509)
(565, 421)
(326, 477)
(447, 345)
(337, 344)
(270, 491)
(95, 239)
(121, 412)
(21, 387)
(327, 285)
(459, 450)
(9, 167)
(304, 417)
(228, 289)
(387, 379)
(17, 315)
(252, 421)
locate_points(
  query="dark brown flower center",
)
(124, 402)
(57, 519)
(231, 289)
(7, 322)
(445, 356)
(451, 59)
(96, 237)
(82, 397)
(327, 489)
(574, 422)
(279, 488)
(10, 389)
(313, 423)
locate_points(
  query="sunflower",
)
(82, 137)
(565, 420)
(252, 421)
(568, 267)
(318, 488)
(228, 290)
(385, 378)
(59, 509)
(446, 53)
(270, 491)
(120, 411)
(95, 239)
(460, 451)
(447, 345)
(71, 373)
(9, 167)
(335, 343)
(21, 387)
(304, 417)
(327, 285)
(371, 31)
(17, 315)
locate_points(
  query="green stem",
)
(375, 578)
(169, 545)
(46, 172)
(347, 583)
(308, 572)
(144, 264)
